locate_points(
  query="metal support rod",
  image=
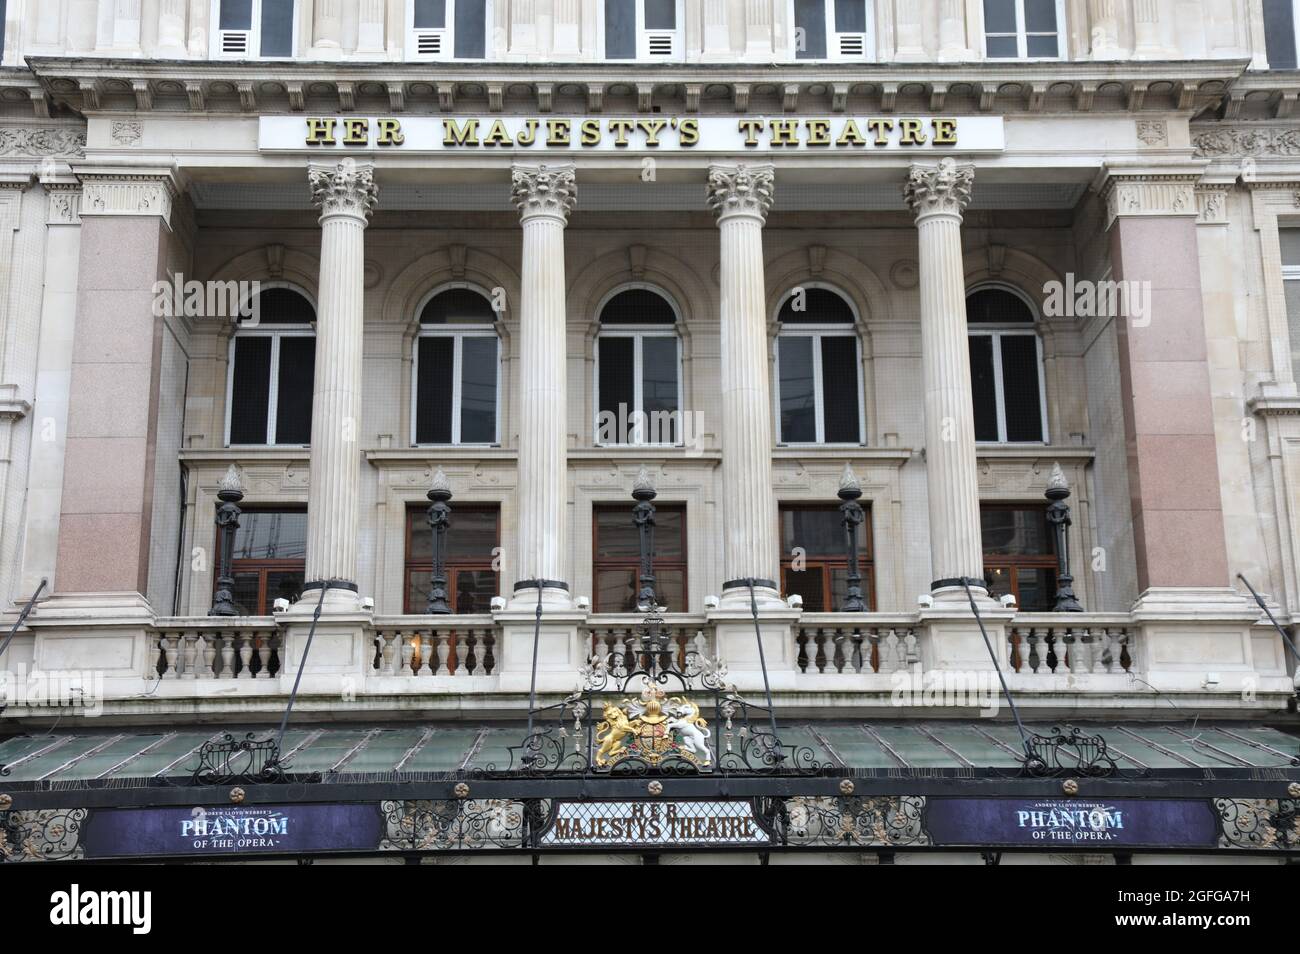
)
(302, 664)
(762, 663)
(537, 637)
(1015, 714)
(1295, 654)
(22, 616)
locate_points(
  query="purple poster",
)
(117, 833)
(1072, 822)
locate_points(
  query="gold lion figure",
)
(611, 733)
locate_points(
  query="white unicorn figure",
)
(693, 738)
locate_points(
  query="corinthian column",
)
(345, 192)
(740, 196)
(544, 195)
(938, 196)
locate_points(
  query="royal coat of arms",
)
(653, 728)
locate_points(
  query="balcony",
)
(841, 664)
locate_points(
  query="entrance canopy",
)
(418, 790)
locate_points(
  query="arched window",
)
(819, 396)
(638, 369)
(457, 369)
(272, 364)
(1005, 367)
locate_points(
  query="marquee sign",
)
(477, 135)
(654, 823)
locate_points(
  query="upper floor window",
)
(3, 13)
(1005, 368)
(446, 29)
(1019, 555)
(1290, 241)
(472, 545)
(268, 558)
(457, 369)
(1281, 39)
(819, 396)
(271, 369)
(616, 558)
(248, 29)
(834, 29)
(1024, 29)
(638, 369)
(813, 539)
(643, 29)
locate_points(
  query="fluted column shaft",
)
(740, 196)
(938, 195)
(345, 192)
(544, 195)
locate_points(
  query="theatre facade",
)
(650, 429)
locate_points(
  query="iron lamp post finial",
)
(230, 492)
(1058, 518)
(439, 518)
(851, 517)
(643, 517)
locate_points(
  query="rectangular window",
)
(1006, 387)
(268, 558)
(817, 381)
(616, 558)
(1280, 34)
(271, 380)
(1290, 242)
(834, 29)
(446, 29)
(455, 395)
(1023, 29)
(639, 389)
(249, 29)
(642, 29)
(2, 27)
(813, 539)
(1019, 554)
(473, 538)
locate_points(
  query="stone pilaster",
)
(106, 513)
(346, 193)
(1178, 531)
(740, 196)
(544, 195)
(938, 195)
(327, 30)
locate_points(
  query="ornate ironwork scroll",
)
(654, 708)
(1259, 822)
(1067, 752)
(52, 834)
(248, 760)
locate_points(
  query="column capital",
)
(1160, 189)
(127, 191)
(544, 190)
(942, 189)
(346, 187)
(741, 189)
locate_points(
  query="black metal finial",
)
(439, 517)
(851, 516)
(1058, 517)
(643, 515)
(230, 493)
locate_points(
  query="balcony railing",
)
(1046, 644)
(617, 637)
(434, 646)
(856, 643)
(215, 647)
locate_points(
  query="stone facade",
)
(1158, 151)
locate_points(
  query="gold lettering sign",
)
(816, 132)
